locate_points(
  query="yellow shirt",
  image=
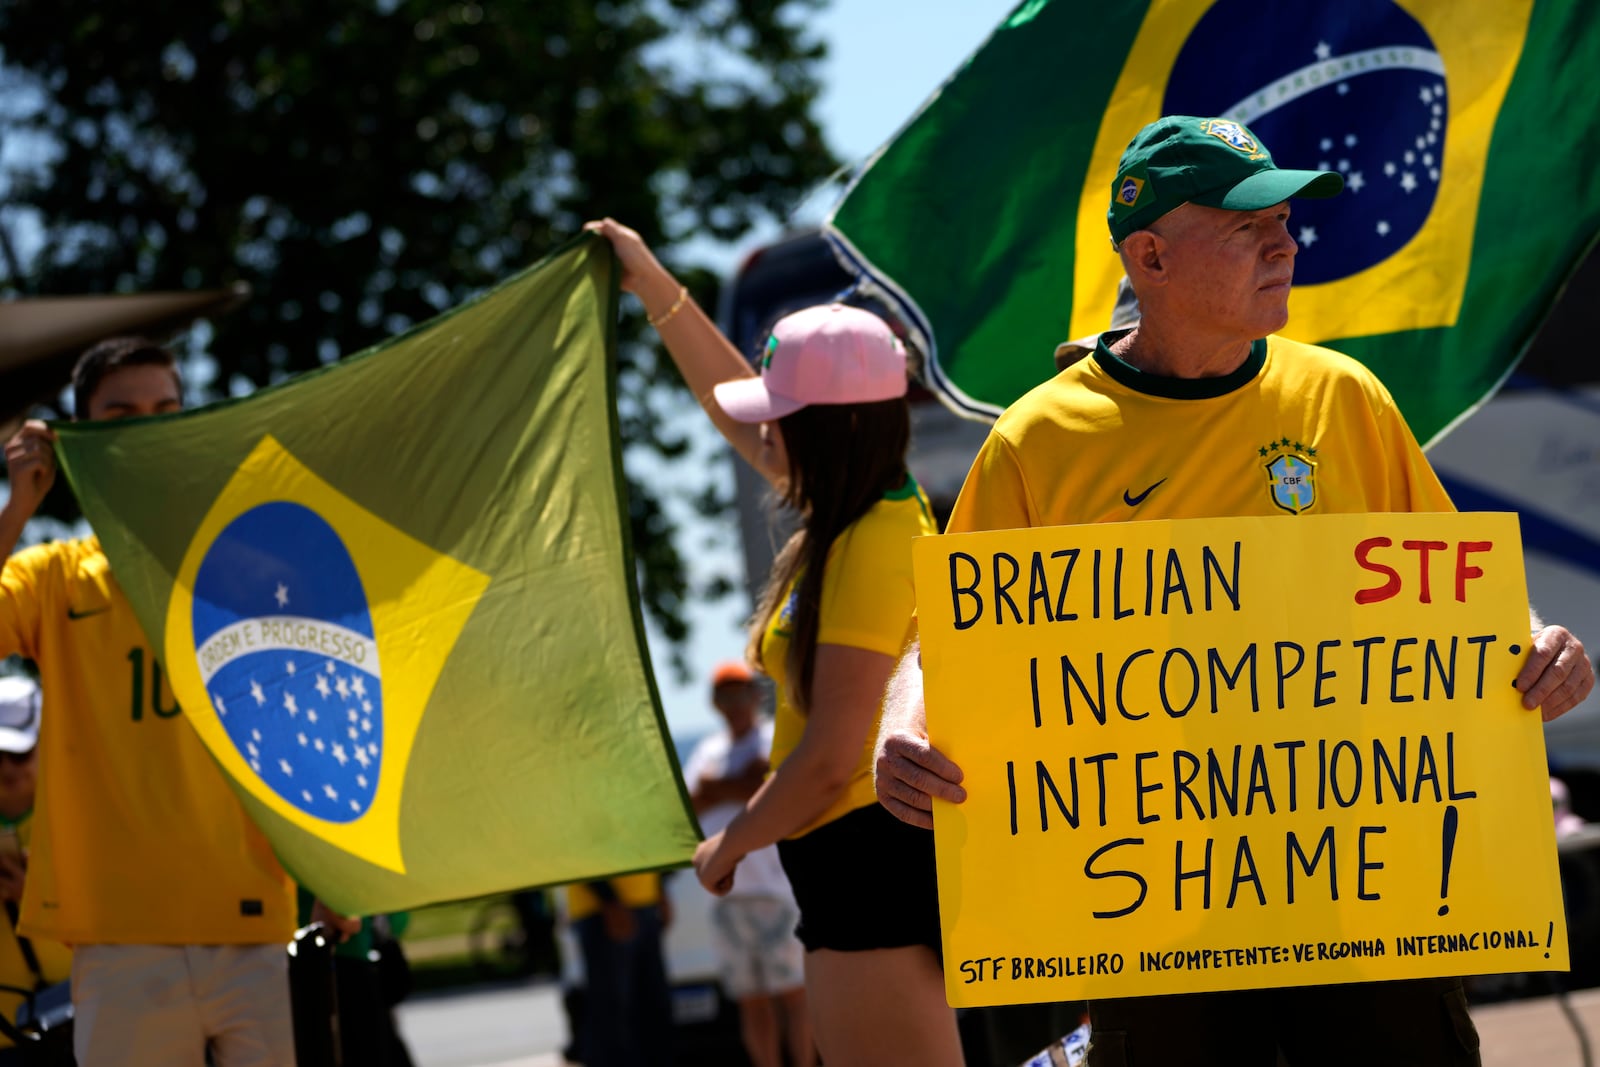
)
(137, 837)
(634, 890)
(55, 959)
(867, 601)
(1296, 430)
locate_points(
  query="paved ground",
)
(522, 1026)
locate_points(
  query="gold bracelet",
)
(677, 306)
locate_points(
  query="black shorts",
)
(864, 881)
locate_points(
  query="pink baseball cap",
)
(829, 354)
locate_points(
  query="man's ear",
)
(1144, 257)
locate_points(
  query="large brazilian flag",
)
(1467, 131)
(396, 599)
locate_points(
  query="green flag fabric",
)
(1465, 131)
(396, 599)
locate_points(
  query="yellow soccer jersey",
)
(867, 601)
(634, 890)
(137, 839)
(1297, 430)
(55, 959)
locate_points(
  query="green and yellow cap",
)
(1183, 159)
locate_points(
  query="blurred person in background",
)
(25, 964)
(762, 962)
(626, 1019)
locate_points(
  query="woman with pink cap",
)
(826, 422)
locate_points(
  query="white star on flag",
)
(333, 794)
(338, 754)
(255, 765)
(255, 691)
(255, 735)
(1408, 181)
(1434, 173)
(354, 715)
(361, 780)
(1355, 182)
(373, 748)
(358, 687)
(366, 724)
(307, 794)
(1410, 157)
(1389, 169)
(302, 739)
(311, 714)
(1326, 144)
(1426, 94)
(1323, 51)
(216, 699)
(330, 666)
(362, 757)
(323, 687)
(1308, 235)
(366, 705)
(354, 806)
(288, 702)
(284, 764)
(343, 687)
(1344, 164)
(254, 752)
(354, 734)
(1383, 228)
(282, 595)
(1343, 88)
(317, 744)
(1350, 140)
(290, 668)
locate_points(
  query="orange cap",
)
(731, 672)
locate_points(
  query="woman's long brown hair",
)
(842, 459)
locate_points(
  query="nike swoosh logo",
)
(75, 615)
(1135, 501)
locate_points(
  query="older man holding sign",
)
(1228, 758)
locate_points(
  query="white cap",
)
(19, 713)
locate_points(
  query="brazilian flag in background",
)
(1467, 131)
(396, 599)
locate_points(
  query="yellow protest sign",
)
(1234, 753)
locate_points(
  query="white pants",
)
(148, 1005)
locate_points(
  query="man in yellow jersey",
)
(142, 858)
(24, 963)
(1177, 418)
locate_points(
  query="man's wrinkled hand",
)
(1557, 675)
(909, 773)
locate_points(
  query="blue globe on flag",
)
(284, 641)
(1356, 87)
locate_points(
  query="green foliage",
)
(364, 166)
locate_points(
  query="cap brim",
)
(17, 740)
(749, 400)
(1268, 187)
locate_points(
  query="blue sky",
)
(885, 58)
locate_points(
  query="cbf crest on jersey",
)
(1291, 474)
(313, 632)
